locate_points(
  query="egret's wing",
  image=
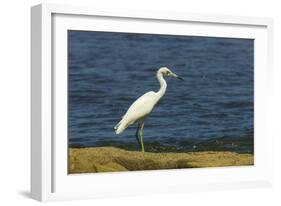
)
(141, 107)
(137, 111)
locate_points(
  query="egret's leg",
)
(141, 136)
(137, 135)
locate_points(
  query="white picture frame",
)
(49, 178)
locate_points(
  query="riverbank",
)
(111, 159)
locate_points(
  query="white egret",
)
(143, 106)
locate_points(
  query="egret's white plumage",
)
(143, 106)
(137, 111)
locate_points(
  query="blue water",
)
(211, 110)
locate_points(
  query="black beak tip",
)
(180, 78)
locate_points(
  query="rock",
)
(111, 159)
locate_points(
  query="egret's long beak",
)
(178, 77)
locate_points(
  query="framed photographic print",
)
(135, 102)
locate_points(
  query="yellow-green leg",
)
(141, 136)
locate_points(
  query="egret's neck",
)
(163, 84)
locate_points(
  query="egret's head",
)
(167, 72)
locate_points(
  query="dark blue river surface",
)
(211, 110)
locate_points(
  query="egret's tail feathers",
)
(117, 125)
(120, 127)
